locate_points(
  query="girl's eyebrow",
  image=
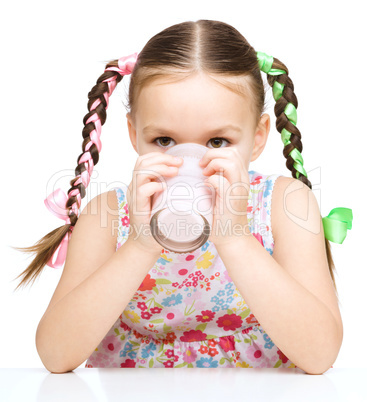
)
(154, 128)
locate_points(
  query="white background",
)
(53, 53)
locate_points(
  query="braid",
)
(286, 125)
(285, 109)
(56, 242)
(93, 121)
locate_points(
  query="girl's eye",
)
(164, 141)
(218, 141)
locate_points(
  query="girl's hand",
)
(229, 216)
(138, 197)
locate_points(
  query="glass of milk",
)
(182, 214)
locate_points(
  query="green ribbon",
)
(265, 63)
(291, 112)
(277, 90)
(336, 224)
(285, 135)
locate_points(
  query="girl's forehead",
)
(195, 97)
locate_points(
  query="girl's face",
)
(200, 110)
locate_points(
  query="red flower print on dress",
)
(168, 364)
(124, 326)
(282, 356)
(227, 343)
(212, 352)
(125, 221)
(171, 337)
(145, 315)
(251, 319)
(142, 306)
(128, 363)
(192, 336)
(259, 238)
(203, 349)
(169, 353)
(137, 334)
(155, 310)
(229, 322)
(147, 284)
(247, 330)
(256, 180)
(205, 316)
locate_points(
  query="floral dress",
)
(187, 312)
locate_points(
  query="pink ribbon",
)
(125, 64)
(61, 212)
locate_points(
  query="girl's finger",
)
(229, 153)
(148, 189)
(154, 158)
(229, 168)
(224, 196)
(220, 186)
(141, 201)
(154, 173)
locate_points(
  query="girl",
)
(247, 299)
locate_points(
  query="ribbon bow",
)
(126, 64)
(336, 224)
(61, 212)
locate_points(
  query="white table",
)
(160, 384)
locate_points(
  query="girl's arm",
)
(91, 294)
(294, 301)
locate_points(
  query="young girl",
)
(254, 299)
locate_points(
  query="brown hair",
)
(177, 52)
